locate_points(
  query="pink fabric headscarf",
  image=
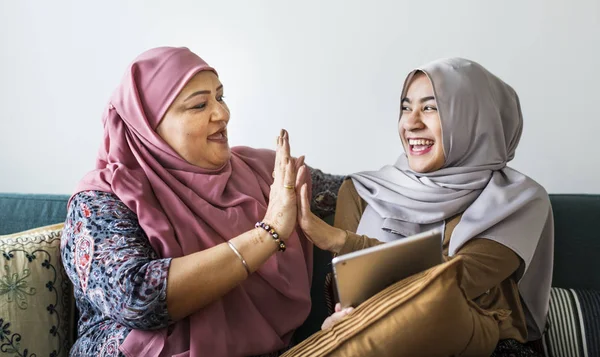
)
(185, 209)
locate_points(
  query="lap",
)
(425, 315)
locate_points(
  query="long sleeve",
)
(349, 210)
(115, 271)
(486, 263)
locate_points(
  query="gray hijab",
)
(481, 127)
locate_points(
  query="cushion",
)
(429, 308)
(574, 323)
(36, 303)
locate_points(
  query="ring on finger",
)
(289, 187)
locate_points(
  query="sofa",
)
(38, 315)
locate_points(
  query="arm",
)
(108, 257)
(124, 278)
(198, 279)
(486, 264)
(341, 238)
(136, 284)
(349, 210)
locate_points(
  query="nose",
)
(412, 121)
(220, 112)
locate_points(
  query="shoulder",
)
(93, 205)
(347, 188)
(348, 193)
(524, 187)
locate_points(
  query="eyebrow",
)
(202, 92)
(423, 100)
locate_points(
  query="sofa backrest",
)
(577, 241)
(576, 253)
(20, 212)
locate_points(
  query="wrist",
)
(340, 237)
(263, 237)
(272, 234)
(273, 223)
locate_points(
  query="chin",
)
(420, 167)
(221, 158)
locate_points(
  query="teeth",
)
(219, 135)
(420, 142)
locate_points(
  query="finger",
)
(326, 324)
(299, 207)
(299, 162)
(278, 170)
(300, 177)
(332, 320)
(285, 146)
(301, 201)
(290, 175)
(304, 202)
(338, 307)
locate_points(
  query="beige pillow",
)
(36, 298)
(425, 315)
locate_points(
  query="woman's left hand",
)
(320, 233)
(338, 315)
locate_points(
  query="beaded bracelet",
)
(273, 234)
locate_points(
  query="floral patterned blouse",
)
(119, 281)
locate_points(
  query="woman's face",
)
(195, 125)
(420, 126)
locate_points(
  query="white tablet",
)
(362, 274)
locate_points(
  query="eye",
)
(430, 108)
(221, 98)
(200, 106)
(404, 109)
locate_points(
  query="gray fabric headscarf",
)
(481, 127)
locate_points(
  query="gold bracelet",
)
(239, 256)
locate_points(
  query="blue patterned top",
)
(119, 281)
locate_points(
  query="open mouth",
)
(220, 136)
(420, 146)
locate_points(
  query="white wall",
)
(329, 71)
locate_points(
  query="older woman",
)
(459, 126)
(176, 244)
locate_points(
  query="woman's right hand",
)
(282, 210)
(316, 230)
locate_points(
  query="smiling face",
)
(420, 126)
(195, 125)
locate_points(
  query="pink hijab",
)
(184, 209)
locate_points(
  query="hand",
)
(320, 233)
(282, 210)
(336, 317)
